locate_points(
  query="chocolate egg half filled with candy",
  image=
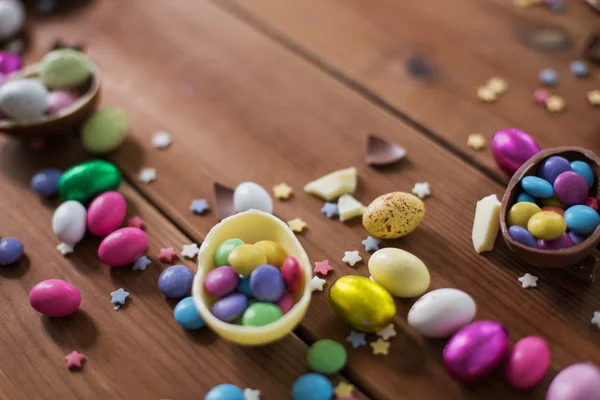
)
(559, 252)
(511, 147)
(362, 303)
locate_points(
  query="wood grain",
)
(243, 107)
(466, 41)
(138, 352)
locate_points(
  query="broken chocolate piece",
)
(381, 152)
(547, 39)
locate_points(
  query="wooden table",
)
(284, 91)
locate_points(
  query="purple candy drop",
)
(266, 283)
(522, 235)
(221, 281)
(575, 238)
(570, 188)
(563, 242)
(230, 307)
(553, 167)
(511, 148)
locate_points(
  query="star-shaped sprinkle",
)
(161, 140)
(596, 319)
(283, 191)
(167, 254)
(64, 248)
(141, 264)
(322, 267)
(528, 280)
(594, 97)
(74, 359)
(199, 206)
(317, 283)
(548, 77)
(251, 394)
(555, 104)
(351, 257)
(497, 85)
(118, 297)
(356, 339)
(387, 332)
(343, 390)
(486, 94)
(476, 141)
(380, 346)
(147, 175)
(190, 250)
(135, 222)
(421, 190)
(330, 210)
(579, 69)
(540, 96)
(371, 244)
(296, 225)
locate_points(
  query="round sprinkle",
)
(326, 356)
(548, 77)
(579, 69)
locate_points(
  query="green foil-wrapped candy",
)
(85, 181)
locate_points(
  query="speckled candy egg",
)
(123, 247)
(11, 250)
(12, 18)
(399, 272)
(58, 100)
(23, 99)
(46, 182)
(441, 312)
(105, 131)
(65, 69)
(106, 213)
(527, 362)
(511, 148)
(69, 222)
(571, 188)
(55, 298)
(176, 281)
(250, 195)
(579, 381)
(393, 215)
(475, 350)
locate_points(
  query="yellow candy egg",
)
(399, 272)
(276, 255)
(520, 213)
(393, 215)
(361, 303)
(547, 225)
(245, 258)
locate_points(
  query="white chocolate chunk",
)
(334, 184)
(486, 224)
(349, 207)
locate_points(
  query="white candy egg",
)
(69, 222)
(441, 312)
(12, 18)
(23, 99)
(249, 195)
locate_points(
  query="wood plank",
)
(138, 352)
(241, 107)
(466, 41)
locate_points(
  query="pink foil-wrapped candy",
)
(9, 62)
(511, 148)
(475, 350)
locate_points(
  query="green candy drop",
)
(261, 314)
(326, 356)
(222, 252)
(85, 181)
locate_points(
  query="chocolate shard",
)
(592, 48)
(547, 39)
(381, 152)
(223, 201)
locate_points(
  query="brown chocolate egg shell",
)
(63, 121)
(550, 258)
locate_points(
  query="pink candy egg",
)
(527, 362)
(59, 100)
(123, 247)
(292, 274)
(475, 350)
(286, 302)
(579, 381)
(106, 213)
(55, 298)
(511, 148)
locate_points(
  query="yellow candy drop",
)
(245, 258)
(552, 201)
(361, 303)
(520, 213)
(276, 255)
(547, 225)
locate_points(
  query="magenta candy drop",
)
(55, 298)
(511, 148)
(221, 281)
(563, 242)
(106, 213)
(527, 362)
(59, 100)
(475, 350)
(579, 381)
(9, 62)
(123, 247)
